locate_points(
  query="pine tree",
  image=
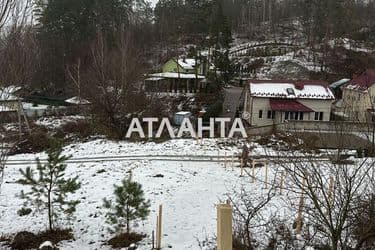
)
(129, 205)
(49, 189)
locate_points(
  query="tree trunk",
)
(49, 209)
(50, 216)
(127, 220)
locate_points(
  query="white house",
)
(270, 102)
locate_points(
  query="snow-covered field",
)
(188, 191)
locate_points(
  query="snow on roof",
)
(77, 101)
(176, 75)
(291, 89)
(363, 81)
(187, 63)
(183, 113)
(154, 79)
(339, 83)
(7, 93)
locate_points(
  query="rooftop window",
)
(290, 91)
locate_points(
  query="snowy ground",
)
(188, 191)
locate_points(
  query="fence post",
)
(266, 177)
(253, 170)
(159, 227)
(282, 182)
(300, 208)
(224, 227)
(157, 232)
(232, 161)
(241, 167)
(225, 160)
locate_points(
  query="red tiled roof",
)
(364, 80)
(288, 105)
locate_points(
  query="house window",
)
(290, 91)
(271, 114)
(260, 114)
(294, 116)
(319, 116)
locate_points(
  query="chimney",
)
(299, 85)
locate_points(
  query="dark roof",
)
(363, 81)
(288, 105)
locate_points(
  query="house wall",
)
(324, 106)
(172, 66)
(356, 103)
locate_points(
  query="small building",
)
(177, 83)
(268, 102)
(358, 99)
(184, 65)
(337, 86)
(180, 116)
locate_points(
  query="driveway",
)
(231, 101)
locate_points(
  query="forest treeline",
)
(41, 40)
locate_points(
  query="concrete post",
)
(224, 227)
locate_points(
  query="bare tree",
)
(248, 216)
(6, 7)
(19, 50)
(329, 193)
(74, 73)
(114, 82)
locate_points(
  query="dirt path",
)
(231, 101)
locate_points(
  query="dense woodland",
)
(40, 42)
(104, 48)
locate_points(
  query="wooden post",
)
(299, 216)
(300, 208)
(282, 182)
(232, 161)
(253, 170)
(266, 176)
(153, 239)
(20, 107)
(160, 225)
(157, 231)
(241, 167)
(225, 160)
(19, 119)
(224, 227)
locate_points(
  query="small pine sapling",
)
(49, 188)
(129, 205)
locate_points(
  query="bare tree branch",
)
(6, 7)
